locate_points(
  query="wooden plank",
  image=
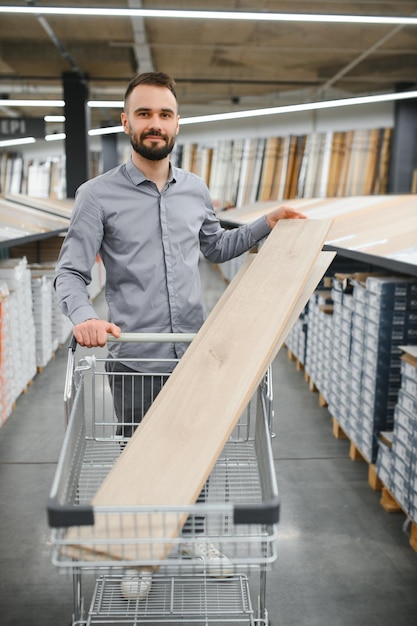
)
(149, 552)
(168, 459)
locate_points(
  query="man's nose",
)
(154, 121)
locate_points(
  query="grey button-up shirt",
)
(150, 243)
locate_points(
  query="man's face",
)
(151, 120)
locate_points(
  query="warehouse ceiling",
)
(218, 65)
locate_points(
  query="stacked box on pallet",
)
(339, 357)
(407, 402)
(6, 395)
(319, 345)
(383, 463)
(60, 324)
(340, 396)
(356, 429)
(42, 314)
(400, 476)
(296, 340)
(16, 274)
(385, 296)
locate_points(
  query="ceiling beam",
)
(355, 62)
(141, 49)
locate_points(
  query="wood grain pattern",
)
(381, 225)
(171, 454)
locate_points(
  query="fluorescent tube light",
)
(296, 108)
(54, 118)
(105, 104)
(55, 136)
(211, 15)
(6, 102)
(106, 131)
(16, 142)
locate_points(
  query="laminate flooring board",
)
(381, 225)
(170, 456)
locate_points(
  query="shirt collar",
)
(137, 177)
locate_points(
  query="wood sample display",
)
(171, 454)
(18, 222)
(383, 226)
(60, 208)
(314, 165)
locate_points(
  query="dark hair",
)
(157, 79)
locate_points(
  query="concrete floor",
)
(342, 560)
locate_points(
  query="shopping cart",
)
(240, 509)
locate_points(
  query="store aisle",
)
(342, 560)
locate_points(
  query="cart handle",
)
(152, 337)
(124, 338)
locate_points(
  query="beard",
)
(152, 152)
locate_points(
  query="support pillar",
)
(109, 151)
(76, 130)
(403, 161)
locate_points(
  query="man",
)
(149, 221)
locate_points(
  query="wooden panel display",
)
(19, 222)
(171, 454)
(320, 164)
(60, 208)
(382, 226)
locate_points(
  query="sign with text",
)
(15, 127)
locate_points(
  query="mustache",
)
(153, 133)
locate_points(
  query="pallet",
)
(338, 431)
(322, 400)
(355, 454)
(387, 500)
(298, 363)
(389, 503)
(373, 479)
(413, 537)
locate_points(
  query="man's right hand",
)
(93, 333)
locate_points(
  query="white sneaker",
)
(136, 583)
(218, 565)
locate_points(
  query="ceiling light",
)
(55, 136)
(7, 102)
(210, 15)
(54, 118)
(16, 142)
(296, 108)
(105, 104)
(105, 131)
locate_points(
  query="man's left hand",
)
(283, 213)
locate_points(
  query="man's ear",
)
(125, 123)
(178, 125)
